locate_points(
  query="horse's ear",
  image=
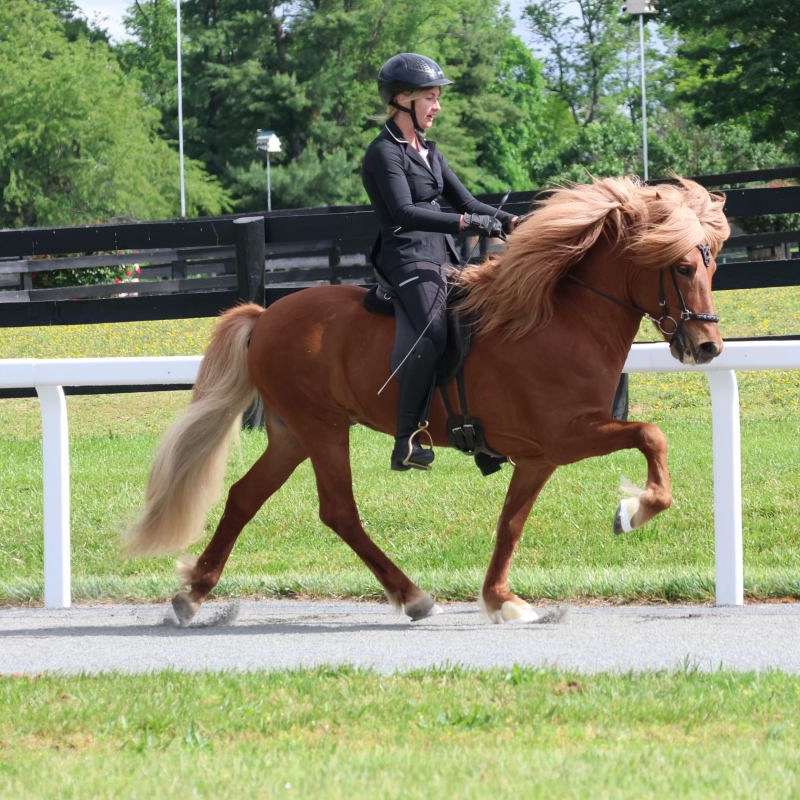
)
(658, 195)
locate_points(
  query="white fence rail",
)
(50, 376)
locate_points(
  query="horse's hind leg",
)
(245, 497)
(497, 601)
(337, 509)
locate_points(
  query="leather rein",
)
(666, 323)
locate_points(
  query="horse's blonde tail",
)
(187, 472)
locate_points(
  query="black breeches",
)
(420, 291)
(420, 299)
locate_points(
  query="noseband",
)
(666, 323)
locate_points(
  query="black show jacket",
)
(405, 193)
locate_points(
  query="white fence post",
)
(726, 445)
(55, 455)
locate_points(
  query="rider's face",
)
(426, 105)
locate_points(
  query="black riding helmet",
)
(408, 72)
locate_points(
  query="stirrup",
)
(423, 428)
(426, 453)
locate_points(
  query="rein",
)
(666, 323)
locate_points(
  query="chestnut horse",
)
(554, 317)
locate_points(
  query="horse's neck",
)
(610, 326)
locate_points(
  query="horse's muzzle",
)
(687, 353)
(706, 352)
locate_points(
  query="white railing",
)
(50, 376)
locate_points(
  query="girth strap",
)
(465, 433)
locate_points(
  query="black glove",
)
(483, 223)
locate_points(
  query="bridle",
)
(666, 323)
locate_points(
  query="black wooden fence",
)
(199, 267)
(189, 268)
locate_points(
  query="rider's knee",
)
(437, 336)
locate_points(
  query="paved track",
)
(277, 634)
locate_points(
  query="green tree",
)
(522, 154)
(77, 143)
(677, 144)
(151, 57)
(591, 63)
(498, 128)
(586, 42)
(740, 61)
(311, 78)
(73, 23)
(236, 79)
(591, 66)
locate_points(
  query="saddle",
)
(464, 432)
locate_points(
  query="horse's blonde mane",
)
(652, 226)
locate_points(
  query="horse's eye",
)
(686, 271)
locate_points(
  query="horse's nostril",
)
(708, 350)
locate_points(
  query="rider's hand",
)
(483, 223)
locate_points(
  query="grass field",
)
(437, 526)
(442, 733)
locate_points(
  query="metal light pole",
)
(644, 98)
(180, 110)
(267, 142)
(642, 8)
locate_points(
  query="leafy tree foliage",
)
(591, 63)
(151, 58)
(740, 61)
(77, 142)
(88, 136)
(586, 42)
(73, 23)
(310, 76)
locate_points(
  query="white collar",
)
(421, 139)
(396, 138)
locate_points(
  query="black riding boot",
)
(416, 383)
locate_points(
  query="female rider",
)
(406, 177)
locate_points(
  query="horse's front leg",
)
(497, 601)
(641, 505)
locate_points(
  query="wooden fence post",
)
(250, 286)
(250, 259)
(334, 259)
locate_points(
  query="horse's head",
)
(675, 247)
(685, 314)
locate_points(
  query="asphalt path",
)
(280, 634)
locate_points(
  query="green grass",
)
(341, 733)
(437, 526)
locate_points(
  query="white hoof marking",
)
(510, 611)
(517, 612)
(628, 507)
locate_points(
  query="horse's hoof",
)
(517, 611)
(421, 607)
(184, 607)
(623, 519)
(510, 611)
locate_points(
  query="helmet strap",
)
(412, 112)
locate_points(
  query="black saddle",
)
(464, 432)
